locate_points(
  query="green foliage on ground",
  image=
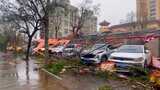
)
(55, 68)
(139, 74)
(106, 87)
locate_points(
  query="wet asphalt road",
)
(13, 77)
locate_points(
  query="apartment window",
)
(152, 18)
(153, 10)
(152, 6)
(152, 3)
(153, 15)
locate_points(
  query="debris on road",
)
(155, 77)
(63, 71)
(122, 76)
(108, 66)
(84, 71)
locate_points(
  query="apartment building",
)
(64, 20)
(148, 9)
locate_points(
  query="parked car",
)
(128, 56)
(97, 54)
(56, 50)
(72, 50)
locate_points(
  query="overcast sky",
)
(113, 10)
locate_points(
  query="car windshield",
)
(60, 47)
(131, 49)
(70, 46)
(99, 47)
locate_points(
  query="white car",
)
(72, 50)
(58, 49)
(96, 55)
(131, 55)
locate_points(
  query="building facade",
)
(62, 21)
(154, 9)
(90, 26)
(142, 10)
(148, 9)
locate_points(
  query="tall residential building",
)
(154, 9)
(142, 10)
(148, 9)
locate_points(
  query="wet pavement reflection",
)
(14, 77)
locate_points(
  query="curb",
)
(57, 77)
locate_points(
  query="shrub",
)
(55, 68)
(139, 73)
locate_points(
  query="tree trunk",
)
(56, 34)
(27, 56)
(27, 70)
(15, 46)
(28, 48)
(46, 43)
(46, 39)
(73, 30)
(46, 23)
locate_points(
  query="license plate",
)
(122, 65)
